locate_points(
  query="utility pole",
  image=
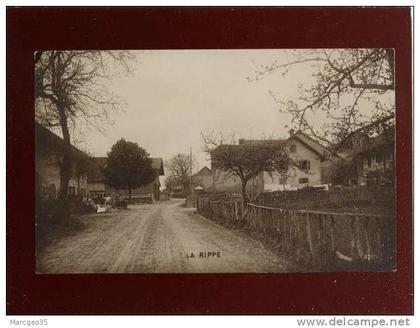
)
(190, 170)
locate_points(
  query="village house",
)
(97, 186)
(368, 159)
(203, 179)
(312, 167)
(49, 150)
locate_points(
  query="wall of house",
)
(203, 180)
(80, 186)
(151, 188)
(230, 183)
(374, 161)
(96, 189)
(48, 175)
(356, 141)
(295, 176)
(329, 169)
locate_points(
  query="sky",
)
(172, 96)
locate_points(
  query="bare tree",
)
(171, 182)
(70, 89)
(178, 168)
(246, 161)
(346, 80)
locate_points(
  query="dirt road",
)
(160, 237)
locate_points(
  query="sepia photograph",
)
(205, 161)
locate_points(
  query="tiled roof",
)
(204, 170)
(47, 139)
(366, 128)
(311, 143)
(157, 164)
(384, 139)
(267, 142)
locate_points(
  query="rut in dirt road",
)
(162, 237)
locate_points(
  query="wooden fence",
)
(319, 241)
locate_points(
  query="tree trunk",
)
(78, 186)
(390, 58)
(65, 165)
(66, 162)
(244, 196)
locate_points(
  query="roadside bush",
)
(52, 216)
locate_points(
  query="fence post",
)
(354, 248)
(332, 234)
(309, 235)
(368, 244)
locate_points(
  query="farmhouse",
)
(369, 159)
(312, 167)
(203, 179)
(49, 150)
(97, 186)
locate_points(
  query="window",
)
(304, 165)
(72, 191)
(52, 191)
(303, 180)
(44, 192)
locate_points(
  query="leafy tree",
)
(70, 92)
(128, 166)
(247, 161)
(350, 88)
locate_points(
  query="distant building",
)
(49, 150)
(203, 179)
(98, 187)
(177, 192)
(312, 165)
(354, 141)
(96, 179)
(368, 159)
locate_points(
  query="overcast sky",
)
(172, 96)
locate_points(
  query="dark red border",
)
(30, 29)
